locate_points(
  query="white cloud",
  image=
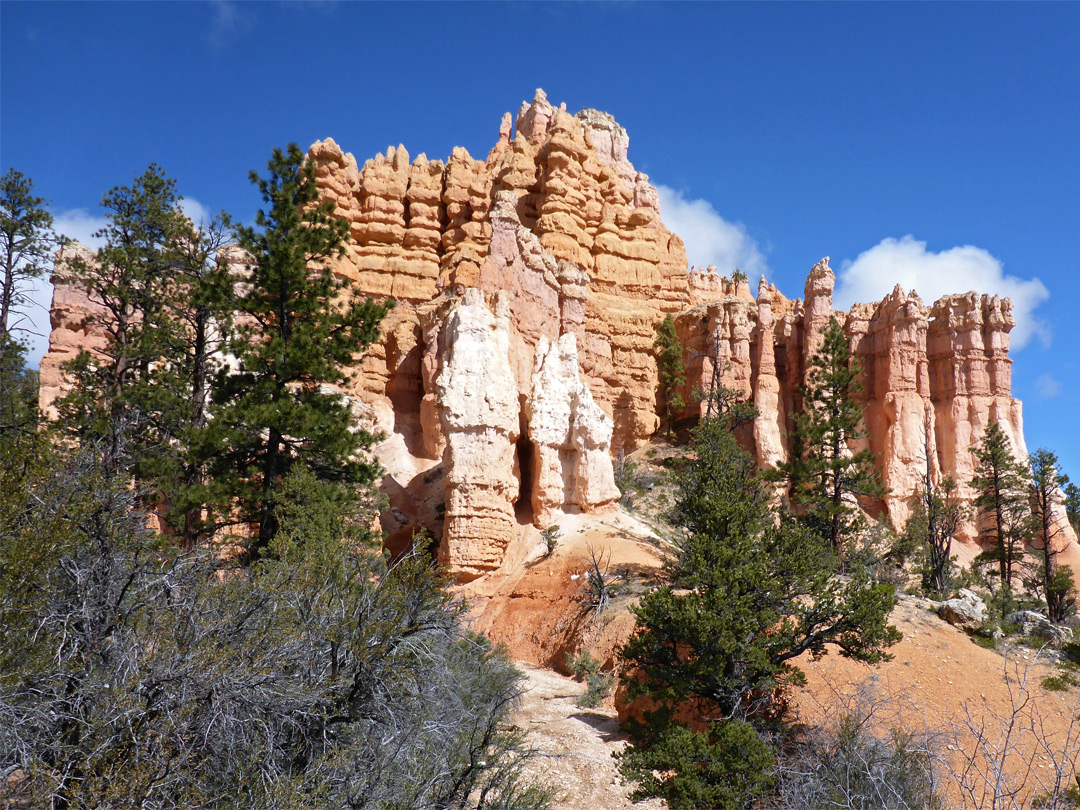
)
(226, 20)
(80, 225)
(1048, 386)
(194, 210)
(709, 238)
(908, 263)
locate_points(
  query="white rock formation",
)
(570, 434)
(479, 412)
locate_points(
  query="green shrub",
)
(728, 767)
(625, 479)
(551, 539)
(1070, 651)
(1058, 683)
(598, 684)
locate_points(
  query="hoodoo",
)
(520, 356)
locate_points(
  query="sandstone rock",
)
(768, 423)
(717, 338)
(478, 408)
(557, 214)
(1039, 626)
(897, 396)
(570, 435)
(970, 378)
(559, 222)
(77, 323)
(967, 612)
(818, 305)
(706, 284)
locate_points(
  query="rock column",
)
(571, 436)
(478, 408)
(768, 424)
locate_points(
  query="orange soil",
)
(936, 675)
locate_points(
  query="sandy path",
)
(574, 745)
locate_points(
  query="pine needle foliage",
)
(296, 330)
(825, 474)
(1072, 505)
(1054, 581)
(27, 244)
(672, 371)
(748, 591)
(727, 767)
(1002, 502)
(18, 393)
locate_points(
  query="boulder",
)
(1039, 626)
(967, 611)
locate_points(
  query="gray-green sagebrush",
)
(135, 674)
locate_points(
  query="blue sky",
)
(932, 142)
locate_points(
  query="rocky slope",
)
(518, 362)
(939, 685)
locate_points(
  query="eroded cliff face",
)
(76, 323)
(519, 360)
(556, 215)
(933, 377)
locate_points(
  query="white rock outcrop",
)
(570, 435)
(479, 414)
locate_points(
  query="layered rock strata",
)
(556, 214)
(478, 410)
(932, 376)
(529, 286)
(570, 435)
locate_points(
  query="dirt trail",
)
(936, 678)
(574, 745)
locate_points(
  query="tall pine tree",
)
(164, 300)
(671, 369)
(826, 475)
(748, 592)
(1053, 580)
(1001, 500)
(27, 244)
(296, 329)
(129, 280)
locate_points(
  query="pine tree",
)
(827, 476)
(130, 280)
(748, 591)
(197, 316)
(18, 395)
(1072, 505)
(934, 521)
(672, 370)
(165, 299)
(1054, 580)
(296, 330)
(1002, 500)
(27, 244)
